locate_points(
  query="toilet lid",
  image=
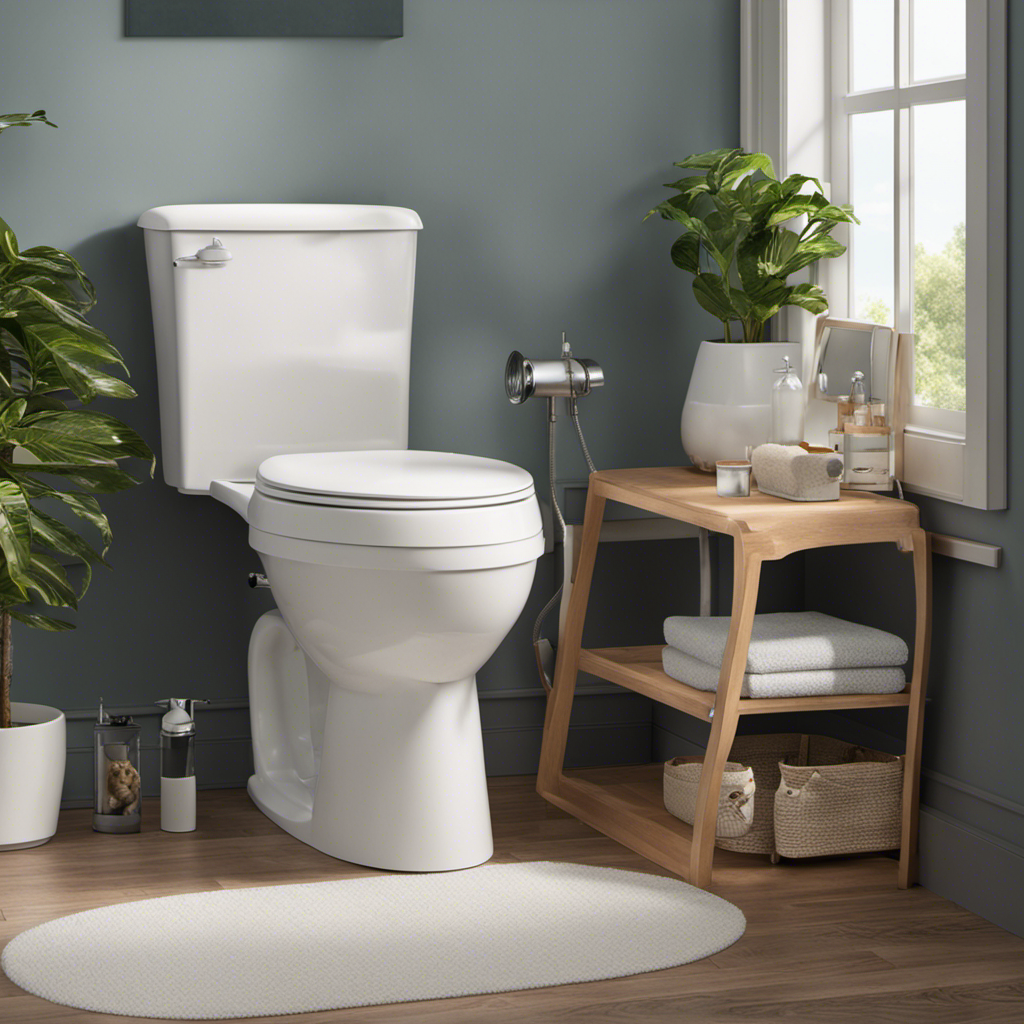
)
(399, 479)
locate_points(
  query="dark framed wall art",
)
(380, 19)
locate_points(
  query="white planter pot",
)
(729, 401)
(31, 775)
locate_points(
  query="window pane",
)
(871, 245)
(871, 47)
(940, 214)
(939, 39)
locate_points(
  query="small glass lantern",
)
(117, 783)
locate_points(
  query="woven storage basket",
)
(841, 799)
(762, 754)
(736, 798)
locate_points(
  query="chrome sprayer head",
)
(567, 377)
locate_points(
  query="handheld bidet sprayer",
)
(569, 378)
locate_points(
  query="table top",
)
(777, 525)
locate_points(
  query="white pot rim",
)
(29, 715)
(740, 341)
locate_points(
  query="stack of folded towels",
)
(792, 654)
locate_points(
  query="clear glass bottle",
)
(117, 785)
(787, 407)
(859, 401)
(857, 394)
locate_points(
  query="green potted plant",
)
(741, 246)
(55, 456)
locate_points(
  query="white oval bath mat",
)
(363, 941)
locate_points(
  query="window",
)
(899, 105)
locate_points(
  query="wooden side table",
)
(763, 528)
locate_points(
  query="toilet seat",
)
(419, 511)
(395, 479)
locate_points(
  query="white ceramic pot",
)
(31, 775)
(729, 401)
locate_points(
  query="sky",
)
(938, 133)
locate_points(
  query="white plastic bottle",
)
(178, 765)
(787, 407)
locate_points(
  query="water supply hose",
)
(559, 519)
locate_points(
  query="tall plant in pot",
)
(55, 456)
(741, 245)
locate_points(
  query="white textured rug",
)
(359, 942)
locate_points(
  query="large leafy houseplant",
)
(53, 453)
(736, 243)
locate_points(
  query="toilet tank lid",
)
(280, 217)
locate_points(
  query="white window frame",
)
(960, 457)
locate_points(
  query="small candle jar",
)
(733, 478)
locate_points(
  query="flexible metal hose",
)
(551, 471)
(575, 416)
(557, 513)
(559, 518)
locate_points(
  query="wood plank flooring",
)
(827, 942)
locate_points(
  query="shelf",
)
(639, 669)
(762, 528)
(626, 805)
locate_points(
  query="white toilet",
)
(283, 341)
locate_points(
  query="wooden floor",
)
(827, 942)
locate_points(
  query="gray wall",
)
(531, 136)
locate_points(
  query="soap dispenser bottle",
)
(787, 407)
(178, 764)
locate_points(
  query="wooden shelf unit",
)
(639, 669)
(762, 528)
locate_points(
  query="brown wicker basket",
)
(873, 790)
(763, 754)
(841, 799)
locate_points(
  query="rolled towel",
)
(797, 473)
(818, 682)
(789, 642)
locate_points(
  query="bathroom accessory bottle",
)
(787, 407)
(178, 764)
(117, 788)
(858, 399)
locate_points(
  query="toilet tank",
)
(299, 343)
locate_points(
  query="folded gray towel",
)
(789, 642)
(702, 676)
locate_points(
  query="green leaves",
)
(711, 293)
(8, 243)
(24, 120)
(15, 531)
(78, 436)
(53, 457)
(734, 210)
(44, 294)
(686, 253)
(40, 621)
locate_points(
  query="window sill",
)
(916, 430)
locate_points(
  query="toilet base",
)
(399, 783)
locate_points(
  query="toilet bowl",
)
(396, 575)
